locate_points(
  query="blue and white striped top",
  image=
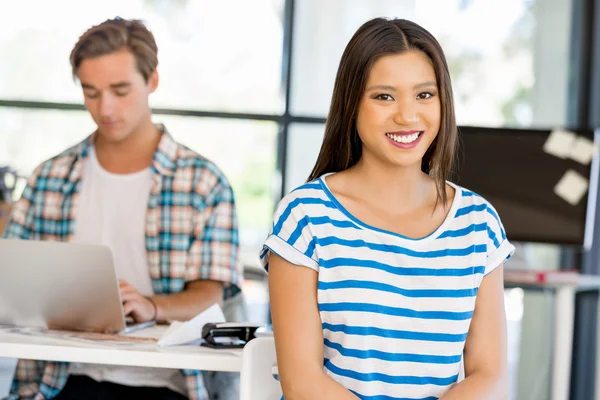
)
(395, 310)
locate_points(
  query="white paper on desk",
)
(572, 187)
(559, 143)
(191, 331)
(582, 150)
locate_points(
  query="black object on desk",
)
(228, 335)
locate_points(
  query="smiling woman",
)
(400, 84)
(381, 273)
(403, 139)
(401, 92)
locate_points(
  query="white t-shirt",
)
(111, 211)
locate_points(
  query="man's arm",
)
(485, 348)
(182, 306)
(212, 264)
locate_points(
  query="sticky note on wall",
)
(559, 143)
(582, 150)
(565, 144)
(572, 187)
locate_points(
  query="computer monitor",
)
(510, 168)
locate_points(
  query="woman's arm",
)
(485, 349)
(299, 334)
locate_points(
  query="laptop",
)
(64, 286)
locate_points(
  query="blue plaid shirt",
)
(191, 234)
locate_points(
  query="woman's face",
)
(399, 114)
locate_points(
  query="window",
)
(29, 137)
(209, 57)
(304, 144)
(509, 60)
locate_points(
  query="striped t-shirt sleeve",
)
(291, 237)
(499, 249)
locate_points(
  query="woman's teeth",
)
(404, 138)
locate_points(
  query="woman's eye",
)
(385, 97)
(425, 95)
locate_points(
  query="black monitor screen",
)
(512, 171)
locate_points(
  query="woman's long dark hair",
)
(342, 147)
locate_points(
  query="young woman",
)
(383, 275)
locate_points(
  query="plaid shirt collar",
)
(164, 162)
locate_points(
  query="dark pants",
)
(83, 387)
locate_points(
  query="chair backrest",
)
(257, 381)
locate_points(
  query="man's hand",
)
(182, 306)
(134, 304)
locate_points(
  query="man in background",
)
(166, 212)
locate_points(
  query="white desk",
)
(145, 354)
(565, 286)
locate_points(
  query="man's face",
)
(116, 94)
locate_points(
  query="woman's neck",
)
(403, 188)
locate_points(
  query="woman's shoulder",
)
(308, 190)
(307, 194)
(474, 204)
(470, 197)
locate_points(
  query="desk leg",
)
(564, 319)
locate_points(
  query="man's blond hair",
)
(114, 35)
